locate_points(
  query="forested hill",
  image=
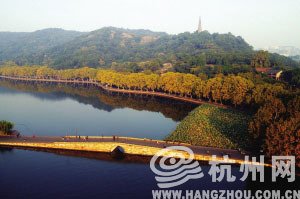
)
(111, 46)
(102, 47)
(26, 47)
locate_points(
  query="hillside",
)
(102, 47)
(27, 48)
(127, 48)
(107, 45)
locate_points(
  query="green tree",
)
(6, 127)
(260, 59)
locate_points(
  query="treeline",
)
(210, 63)
(46, 72)
(231, 89)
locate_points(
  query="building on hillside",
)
(166, 67)
(262, 70)
(273, 73)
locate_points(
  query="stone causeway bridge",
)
(127, 145)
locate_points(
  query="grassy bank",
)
(213, 126)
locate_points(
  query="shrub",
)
(6, 127)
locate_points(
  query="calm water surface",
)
(57, 109)
(28, 174)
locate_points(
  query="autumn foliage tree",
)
(277, 127)
(230, 89)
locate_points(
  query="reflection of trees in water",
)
(100, 99)
(169, 108)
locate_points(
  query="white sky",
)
(262, 23)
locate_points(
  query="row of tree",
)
(84, 73)
(231, 89)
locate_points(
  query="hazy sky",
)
(261, 22)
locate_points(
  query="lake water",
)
(28, 174)
(57, 109)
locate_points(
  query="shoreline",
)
(110, 89)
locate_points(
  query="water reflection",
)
(99, 98)
(59, 109)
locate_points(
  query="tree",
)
(283, 138)
(198, 88)
(201, 60)
(260, 59)
(292, 77)
(152, 81)
(265, 92)
(188, 83)
(6, 127)
(45, 72)
(213, 88)
(241, 89)
(267, 114)
(277, 127)
(171, 82)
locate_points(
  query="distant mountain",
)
(68, 49)
(296, 58)
(287, 51)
